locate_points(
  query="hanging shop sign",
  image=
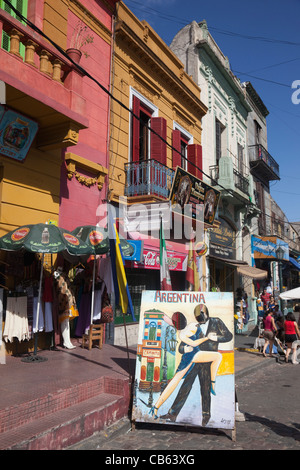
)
(16, 134)
(189, 190)
(167, 319)
(151, 260)
(150, 256)
(137, 255)
(222, 241)
(266, 247)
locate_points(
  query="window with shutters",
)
(21, 7)
(241, 159)
(141, 124)
(220, 140)
(181, 139)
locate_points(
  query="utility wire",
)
(87, 74)
(176, 19)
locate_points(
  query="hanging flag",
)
(122, 294)
(165, 278)
(192, 274)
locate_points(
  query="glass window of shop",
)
(221, 276)
(146, 279)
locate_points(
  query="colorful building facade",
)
(155, 129)
(54, 120)
(63, 177)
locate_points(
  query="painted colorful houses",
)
(113, 129)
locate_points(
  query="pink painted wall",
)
(78, 204)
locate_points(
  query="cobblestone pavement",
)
(268, 400)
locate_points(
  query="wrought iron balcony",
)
(239, 181)
(262, 164)
(148, 178)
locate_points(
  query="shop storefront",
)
(144, 273)
(222, 254)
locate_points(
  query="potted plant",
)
(80, 38)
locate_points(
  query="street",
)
(268, 399)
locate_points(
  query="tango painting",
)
(185, 360)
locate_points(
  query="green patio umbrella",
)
(43, 238)
(97, 240)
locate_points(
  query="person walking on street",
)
(265, 297)
(291, 335)
(269, 332)
(272, 303)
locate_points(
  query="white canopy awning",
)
(292, 294)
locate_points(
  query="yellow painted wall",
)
(30, 190)
(55, 21)
(142, 60)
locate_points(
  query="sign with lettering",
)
(16, 134)
(222, 241)
(185, 359)
(189, 190)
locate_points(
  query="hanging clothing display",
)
(84, 319)
(66, 301)
(105, 273)
(98, 302)
(48, 302)
(40, 326)
(16, 321)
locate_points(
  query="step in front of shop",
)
(93, 406)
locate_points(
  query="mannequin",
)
(66, 306)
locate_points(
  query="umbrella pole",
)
(38, 306)
(93, 291)
(35, 357)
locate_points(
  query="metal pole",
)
(38, 306)
(93, 291)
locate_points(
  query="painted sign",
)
(185, 359)
(265, 247)
(16, 134)
(222, 241)
(138, 251)
(187, 189)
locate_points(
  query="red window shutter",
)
(176, 144)
(136, 105)
(158, 146)
(194, 155)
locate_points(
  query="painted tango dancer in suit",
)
(200, 358)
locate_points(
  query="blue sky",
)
(262, 41)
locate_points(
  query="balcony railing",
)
(38, 52)
(241, 182)
(269, 167)
(148, 177)
(40, 69)
(214, 174)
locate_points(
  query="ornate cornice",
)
(73, 162)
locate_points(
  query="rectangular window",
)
(240, 159)
(257, 130)
(220, 140)
(20, 6)
(183, 151)
(140, 131)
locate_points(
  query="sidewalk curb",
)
(250, 369)
(124, 425)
